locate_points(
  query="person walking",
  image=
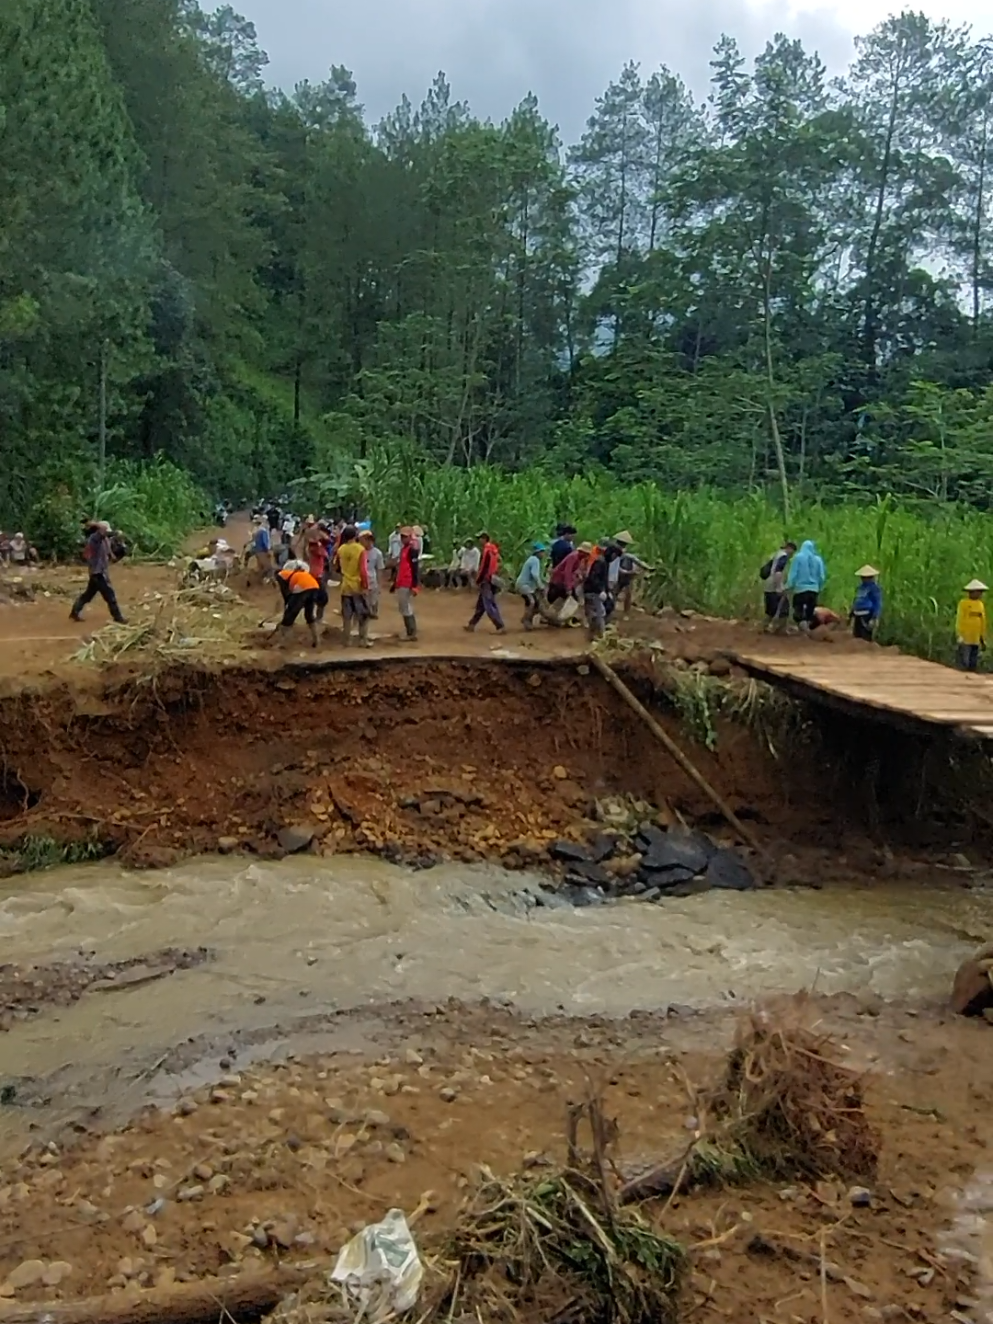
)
(773, 578)
(96, 553)
(805, 581)
(486, 603)
(867, 606)
(564, 544)
(970, 625)
(596, 587)
(531, 584)
(353, 565)
(406, 581)
(375, 565)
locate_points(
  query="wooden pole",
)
(684, 761)
(202, 1302)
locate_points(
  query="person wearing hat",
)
(489, 569)
(406, 581)
(867, 606)
(375, 565)
(624, 570)
(300, 592)
(531, 584)
(970, 625)
(97, 554)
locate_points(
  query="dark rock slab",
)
(602, 847)
(595, 874)
(581, 896)
(569, 851)
(728, 871)
(679, 848)
(649, 835)
(667, 878)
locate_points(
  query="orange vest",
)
(298, 581)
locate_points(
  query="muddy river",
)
(305, 936)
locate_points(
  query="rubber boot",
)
(364, 639)
(315, 635)
(410, 624)
(346, 631)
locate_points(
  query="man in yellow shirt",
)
(970, 625)
(352, 564)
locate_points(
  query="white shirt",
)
(471, 556)
(375, 562)
(393, 545)
(289, 524)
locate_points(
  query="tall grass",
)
(707, 546)
(155, 504)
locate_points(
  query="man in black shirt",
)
(563, 544)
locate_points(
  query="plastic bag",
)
(380, 1269)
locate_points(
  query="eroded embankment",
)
(412, 759)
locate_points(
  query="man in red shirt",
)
(316, 543)
(407, 581)
(486, 603)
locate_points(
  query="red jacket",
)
(489, 564)
(408, 568)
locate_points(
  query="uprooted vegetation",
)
(784, 1109)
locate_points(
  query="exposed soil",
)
(415, 758)
(284, 1161)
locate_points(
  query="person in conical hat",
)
(867, 606)
(970, 625)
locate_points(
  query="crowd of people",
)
(793, 579)
(304, 558)
(558, 579)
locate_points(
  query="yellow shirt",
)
(970, 623)
(351, 560)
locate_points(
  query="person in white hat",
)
(867, 606)
(970, 625)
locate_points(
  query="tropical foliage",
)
(785, 287)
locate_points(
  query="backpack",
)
(766, 570)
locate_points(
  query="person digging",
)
(300, 592)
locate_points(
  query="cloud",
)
(566, 51)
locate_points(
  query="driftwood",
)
(684, 761)
(201, 1302)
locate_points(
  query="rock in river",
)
(295, 839)
(728, 870)
(680, 847)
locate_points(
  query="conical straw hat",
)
(867, 572)
(975, 585)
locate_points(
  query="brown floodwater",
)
(310, 935)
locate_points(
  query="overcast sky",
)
(566, 51)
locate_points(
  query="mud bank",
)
(415, 760)
(281, 1162)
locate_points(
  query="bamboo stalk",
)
(684, 761)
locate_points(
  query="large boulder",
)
(726, 869)
(972, 991)
(679, 848)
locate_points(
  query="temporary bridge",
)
(882, 684)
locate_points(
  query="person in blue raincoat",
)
(805, 582)
(867, 606)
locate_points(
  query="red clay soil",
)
(501, 758)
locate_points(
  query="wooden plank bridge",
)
(880, 684)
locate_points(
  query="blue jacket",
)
(529, 580)
(807, 573)
(868, 600)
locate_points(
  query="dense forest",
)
(787, 285)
